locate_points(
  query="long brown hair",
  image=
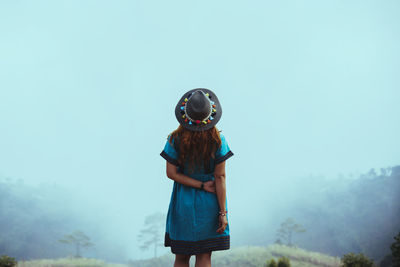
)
(196, 148)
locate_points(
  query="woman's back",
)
(198, 165)
(197, 220)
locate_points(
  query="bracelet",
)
(222, 213)
(202, 186)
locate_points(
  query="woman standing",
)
(197, 222)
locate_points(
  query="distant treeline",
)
(32, 220)
(350, 214)
(340, 215)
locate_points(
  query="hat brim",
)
(201, 126)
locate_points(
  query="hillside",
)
(250, 256)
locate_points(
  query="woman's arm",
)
(172, 173)
(220, 187)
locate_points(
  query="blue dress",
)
(192, 219)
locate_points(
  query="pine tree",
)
(77, 239)
(287, 229)
(151, 235)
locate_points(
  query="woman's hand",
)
(223, 222)
(209, 186)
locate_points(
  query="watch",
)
(202, 186)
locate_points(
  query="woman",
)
(197, 221)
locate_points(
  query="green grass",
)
(68, 262)
(305, 256)
(250, 256)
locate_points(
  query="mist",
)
(309, 92)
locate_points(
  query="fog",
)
(309, 92)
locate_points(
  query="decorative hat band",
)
(205, 120)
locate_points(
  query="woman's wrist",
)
(222, 213)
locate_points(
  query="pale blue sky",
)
(88, 90)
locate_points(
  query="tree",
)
(282, 262)
(395, 247)
(356, 260)
(288, 227)
(271, 263)
(152, 233)
(77, 239)
(6, 261)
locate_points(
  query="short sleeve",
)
(169, 153)
(223, 152)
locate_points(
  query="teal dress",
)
(192, 219)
